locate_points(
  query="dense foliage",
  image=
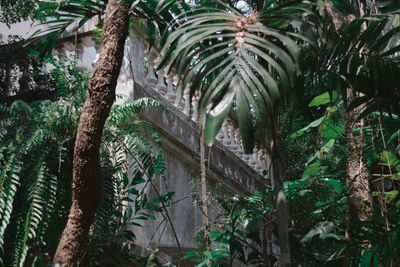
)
(315, 64)
(36, 152)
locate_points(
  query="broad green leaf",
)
(323, 99)
(325, 149)
(390, 159)
(313, 124)
(244, 118)
(321, 229)
(332, 129)
(313, 169)
(217, 115)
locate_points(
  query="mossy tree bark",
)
(96, 109)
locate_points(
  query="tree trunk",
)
(101, 95)
(281, 205)
(357, 173)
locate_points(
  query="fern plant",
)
(36, 145)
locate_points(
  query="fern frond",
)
(34, 199)
(128, 111)
(39, 137)
(9, 180)
(107, 215)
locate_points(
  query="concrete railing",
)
(168, 87)
(141, 68)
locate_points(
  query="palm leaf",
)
(231, 58)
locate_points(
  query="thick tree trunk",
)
(281, 205)
(101, 95)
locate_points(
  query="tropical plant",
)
(101, 95)
(248, 58)
(36, 148)
(245, 60)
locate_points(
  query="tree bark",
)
(282, 213)
(357, 172)
(96, 109)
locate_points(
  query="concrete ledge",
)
(182, 136)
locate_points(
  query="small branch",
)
(158, 227)
(158, 195)
(204, 187)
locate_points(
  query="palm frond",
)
(241, 62)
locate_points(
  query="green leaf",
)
(323, 99)
(321, 229)
(390, 159)
(244, 118)
(325, 149)
(332, 129)
(217, 115)
(313, 124)
(313, 169)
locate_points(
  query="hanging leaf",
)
(212, 46)
(216, 116)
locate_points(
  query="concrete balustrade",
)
(167, 85)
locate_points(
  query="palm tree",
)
(246, 60)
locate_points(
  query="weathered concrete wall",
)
(180, 144)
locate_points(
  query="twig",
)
(158, 227)
(159, 196)
(204, 186)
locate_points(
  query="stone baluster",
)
(195, 103)
(89, 46)
(97, 49)
(186, 96)
(263, 157)
(43, 69)
(239, 151)
(178, 100)
(61, 53)
(67, 51)
(41, 79)
(220, 135)
(151, 78)
(246, 157)
(257, 158)
(137, 49)
(252, 160)
(161, 87)
(170, 95)
(226, 141)
(231, 128)
(56, 54)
